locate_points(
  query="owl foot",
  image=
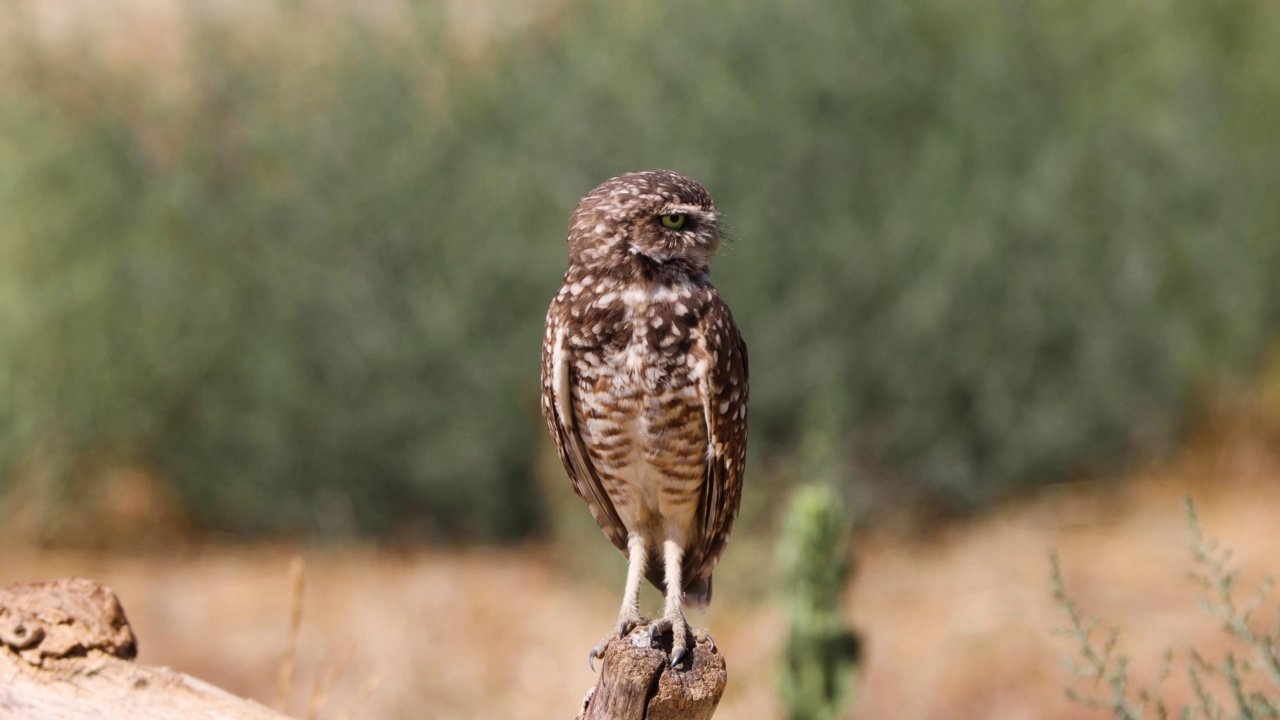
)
(674, 621)
(627, 622)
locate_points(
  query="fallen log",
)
(66, 653)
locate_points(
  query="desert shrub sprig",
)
(1234, 687)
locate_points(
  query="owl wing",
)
(557, 408)
(723, 390)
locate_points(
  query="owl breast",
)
(638, 374)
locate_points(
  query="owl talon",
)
(657, 627)
(592, 654)
(680, 632)
(630, 622)
(700, 635)
(679, 640)
(626, 623)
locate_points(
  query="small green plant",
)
(821, 651)
(1106, 670)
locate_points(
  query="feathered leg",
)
(673, 613)
(629, 616)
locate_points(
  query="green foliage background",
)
(302, 274)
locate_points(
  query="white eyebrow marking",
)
(694, 211)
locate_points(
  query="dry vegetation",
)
(957, 626)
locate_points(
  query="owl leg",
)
(629, 616)
(637, 557)
(673, 613)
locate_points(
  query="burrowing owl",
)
(644, 388)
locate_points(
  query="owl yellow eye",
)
(675, 221)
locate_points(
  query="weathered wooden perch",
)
(66, 653)
(637, 682)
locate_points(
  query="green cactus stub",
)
(821, 652)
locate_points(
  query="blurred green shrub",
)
(979, 246)
(283, 291)
(821, 651)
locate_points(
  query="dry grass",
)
(957, 626)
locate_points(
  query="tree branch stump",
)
(638, 683)
(66, 652)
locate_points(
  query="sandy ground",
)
(956, 626)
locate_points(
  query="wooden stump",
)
(66, 652)
(637, 682)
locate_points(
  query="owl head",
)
(657, 216)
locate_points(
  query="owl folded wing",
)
(723, 389)
(557, 399)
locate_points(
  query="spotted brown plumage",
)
(644, 387)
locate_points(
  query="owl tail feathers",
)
(697, 594)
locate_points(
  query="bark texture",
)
(638, 683)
